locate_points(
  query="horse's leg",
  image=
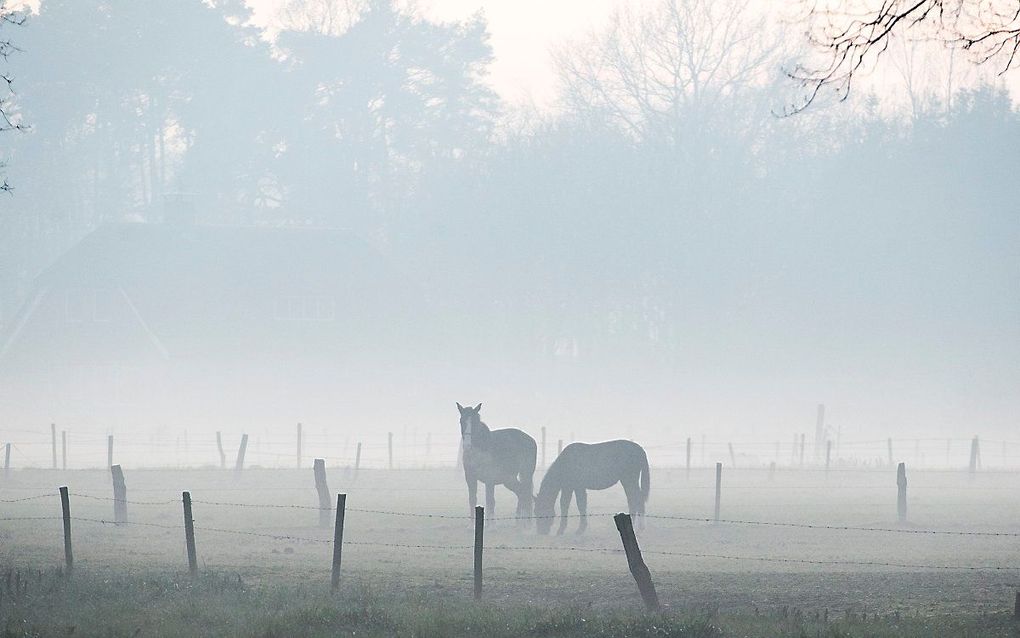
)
(527, 494)
(564, 509)
(472, 484)
(582, 507)
(633, 492)
(516, 487)
(490, 499)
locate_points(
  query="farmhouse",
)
(182, 321)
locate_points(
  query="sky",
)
(525, 32)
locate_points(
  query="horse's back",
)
(600, 465)
(508, 453)
(512, 437)
(606, 450)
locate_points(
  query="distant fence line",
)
(429, 450)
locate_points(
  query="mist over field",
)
(784, 239)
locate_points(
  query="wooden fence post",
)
(219, 446)
(338, 540)
(298, 445)
(63, 449)
(239, 465)
(688, 458)
(119, 496)
(718, 489)
(733, 457)
(189, 535)
(319, 469)
(819, 431)
(65, 507)
(479, 532)
(638, 569)
(543, 446)
(7, 460)
(53, 438)
(109, 450)
(389, 448)
(975, 453)
(901, 492)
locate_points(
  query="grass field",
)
(265, 562)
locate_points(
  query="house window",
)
(305, 308)
(88, 305)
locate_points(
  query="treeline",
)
(661, 212)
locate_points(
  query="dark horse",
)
(592, 466)
(497, 457)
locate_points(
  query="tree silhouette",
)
(380, 102)
(8, 121)
(663, 74)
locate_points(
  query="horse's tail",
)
(645, 480)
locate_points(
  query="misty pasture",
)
(486, 318)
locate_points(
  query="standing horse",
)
(592, 466)
(497, 457)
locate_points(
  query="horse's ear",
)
(478, 408)
(460, 408)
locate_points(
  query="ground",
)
(265, 562)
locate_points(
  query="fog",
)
(438, 317)
(238, 218)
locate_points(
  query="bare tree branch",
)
(9, 121)
(852, 34)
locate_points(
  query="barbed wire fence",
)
(754, 458)
(629, 547)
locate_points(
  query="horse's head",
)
(470, 419)
(544, 512)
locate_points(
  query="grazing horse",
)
(592, 466)
(497, 457)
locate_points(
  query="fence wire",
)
(569, 549)
(573, 549)
(691, 519)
